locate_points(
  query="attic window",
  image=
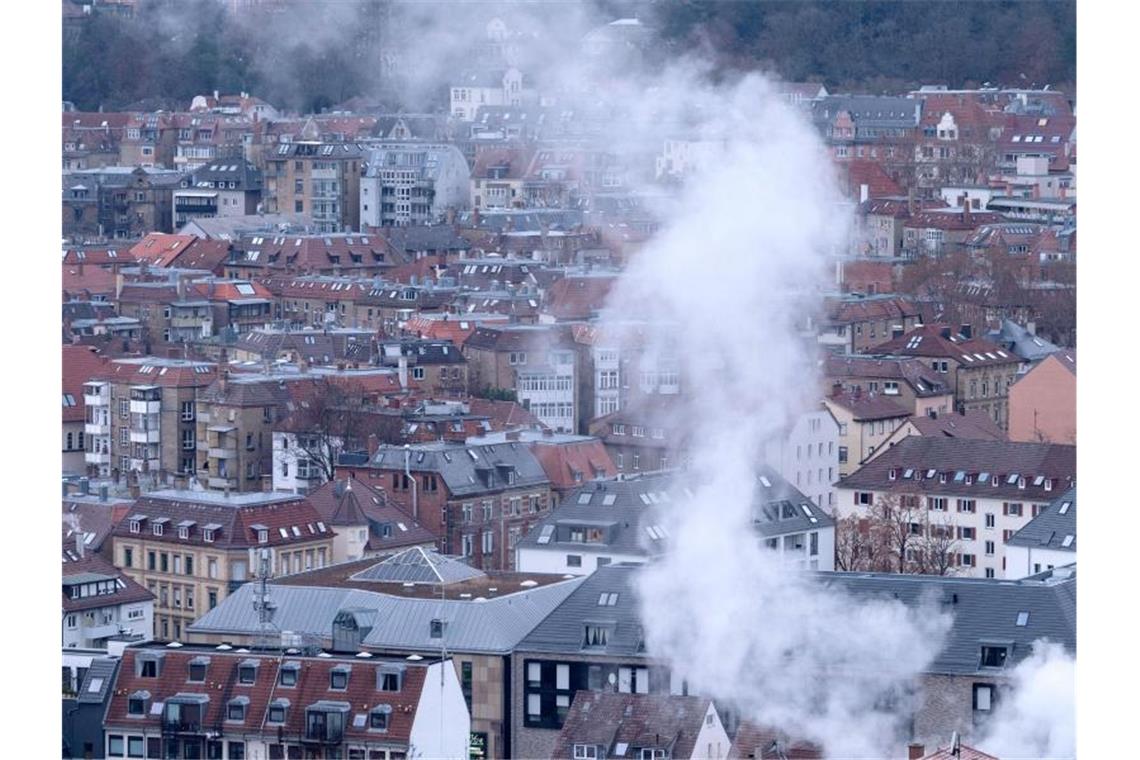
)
(437, 628)
(208, 535)
(263, 536)
(277, 710)
(235, 710)
(288, 676)
(378, 718)
(247, 672)
(1064, 508)
(338, 678)
(135, 526)
(196, 670)
(606, 599)
(994, 656)
(596, 636)
(1068, 541)
(1022, 619)
(156, 529)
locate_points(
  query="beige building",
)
(141, 417)
(235, 421)
(192, 549)
(319, 180)
(1043, 402)
(866, 422)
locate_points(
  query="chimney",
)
(966, 331)
(79, 536)
(836, 389)
(864, 193)
(223, 380)
(103, 492)
(945, 333)
(84, 486)
(1031, 327)
(133, 490)
(373, 444)
(513, 435)
(910, 208)
(475, 217)
(180, 482)
(966, 211)
(915, 751)
(402, 372)
(79, 269)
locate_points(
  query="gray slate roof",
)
(401, 624)
(468, 470)
(97, 682)
(1013, 337)
(983, 610)
(1051, 527)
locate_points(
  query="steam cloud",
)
(1038, 719)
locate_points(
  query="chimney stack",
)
(864, 193)
(915, 751)
(267, 484)
(910, 208)
(79, 542)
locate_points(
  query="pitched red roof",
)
(504, 415)
(158, 249)
(752, 741)
(642, 721)
(568, 464)
(868, 406)
(577, 297)
(80, 279)
(210, 255)
(854, 174)
(349, 501)
(928, 340)
(973, 424)
(98, 257)
(222, 684)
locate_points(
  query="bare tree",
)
(860, 545)
(896, 534)
(936, 552)
(898, 519)
(329, 417)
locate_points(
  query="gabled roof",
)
(975, 423)
(929, 340)
(759, 743)
(667, 722)
(353, 502)
(160, 249)
(578, 297)
(1020, 341)
(80, 364)
(913, 372)
(869, 406)
(1054, 528)
(93, 567)
(468, 470)
(927, 458)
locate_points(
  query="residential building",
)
(568, 460)
(860, 323)
(230, 187)
(236, 416)
(318, 179)
(412, 183)
(101, 603)
(91, 140)
(979, 493)
(866, 422)
(641, 725)
(365, 524)
(216, 702)
(487, 88)
(437, 368)
(191, 549)
(975, 425)
(644, 437)
(478, 499)
(882, 129)
(1047, 541)
(1043, 401)
(118, 202)
(759, 743)
(883, 221)
(88, 683)
(441, 602)
(1022, 341)
(807, 454)
(497, 178)
(141, 417)
(979, 372)
(918, 386)
(80, 363)
(941, 232)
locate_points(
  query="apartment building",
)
(227, 187)
(437, 367)
(912, 382)
(863, 322)
(441, 602)
(1043, 401)
(1047, 541)
(644, 725)
(502, 87)
(480, 500)
(866, 422)
(365, 524)
(213, 702)
(978, 371)
(118, 202)
(101, 603)
(978, 493)
(80, 363)
(318, 179)
(191, 549)
(568, 460)
(412, 183)
(807, 454)
(141, 417)
(236, 416)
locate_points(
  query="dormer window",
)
(288, 676)
(993, 656)
(892, 474)
(1021, 483)
(184, 533)
(138, 703)
(597, 636)
(136, 526)
(1048, 484)
(247, 672)
(263, 536)
(149, 665)
(388, 679)
(437, 628)
(278, 709)
(378, 718)
(235, 709)
(156, 529)
(585, 752)
(338, 678)
(196, 670)
(941, 477)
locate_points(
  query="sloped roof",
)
(468, 470)
(1052, 527)
(1020, 341)
(640, 721)
(759, 743)
(80, 364)
(419, 565)
(974, 423)
(928, 340)
(867, 406)
(94, 566)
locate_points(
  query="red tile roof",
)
(577, 297)
(868, 406)
(929, 341)
(504, 415)
(973, 424)
(349, 501)
(643, 721)
(159, 249)
(179, 375)
(98, 256)
(562, 462)
(221, 685)
(854, 174)
(753, 741)
(129, 592)
(80, 364)
(90, 281)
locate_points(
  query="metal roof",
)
(1055, 525)
(419, 565)
(401, 623)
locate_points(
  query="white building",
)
(488, 88)
(808, 456)
(1047, 541)
(294, 469)
(982, 491)
(412, 183)
(548, 390)
(100, 603)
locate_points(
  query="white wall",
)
(442, 727)
(815, 437)
(1021, 561)
(553, 560)
(101, 619)
(712, 741)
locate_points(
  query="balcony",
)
(97, 428)
(102, 631)
(145, 436)
(96, 399)
(221, 482)
(145, 465)
(97, 457)
(145, 407)
(190, 322)
(221, 453)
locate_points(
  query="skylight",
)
(765, 482)
(609, 499)
(584, 498)
(1022, 619)
(1067, 541)
(1064, 508)
(547, 532)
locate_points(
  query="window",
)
(983, 697)
(236, 750)
(1011, 508)
(488, 542)
(134, 746)
(842, 454)
(990, 519)
(115, 745)
(128, 556)
(585, 752)
(389, 681)
(864, 498)
(573, 560)
(136, 705)
(378, 719)
(247, 674)
(596, 636)
(967, 505)
(437, 627)
(936, 503)
(993, 656)
(989, 548)
(277, 712)
(197, 672)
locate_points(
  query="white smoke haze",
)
(1037, 720)
(741, 262)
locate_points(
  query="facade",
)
(141, 417)
(918, 386)
(101, 603)
(808, 455)
(980, 492)
(979, 372)
(118, 202)
(80, 363)
(214, 702)
(365, 524)
(480, 500)
(320, 180)
(227, 188)
(1043, 401)
(412, 183)
(486, 88)
(866, 422)
(236, 416)
(1047, 541)
(440, 602)
(191, 549)
(862, 322)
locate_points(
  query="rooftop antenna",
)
(955, 745)
(263, 605)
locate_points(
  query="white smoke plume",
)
(1037, 719)
(738, 266)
